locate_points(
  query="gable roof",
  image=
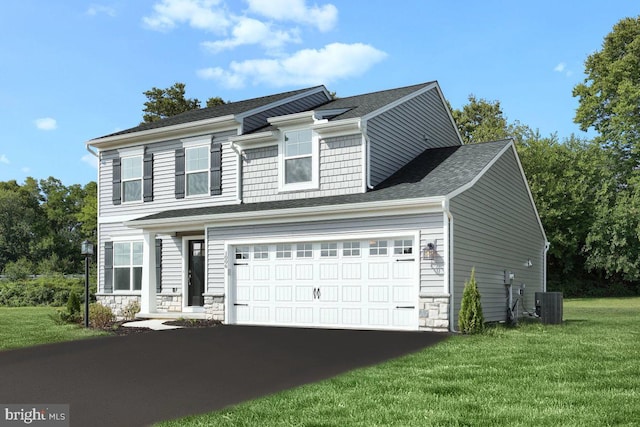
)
(227, 109)
(435, 172)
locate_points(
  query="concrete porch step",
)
(172, 315)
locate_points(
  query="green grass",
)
(28, 326)
(585, 372)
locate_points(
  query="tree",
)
(470, 317)
(480, 121)
(609, 97)
(163, 103)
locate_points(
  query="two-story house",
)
(296, 209)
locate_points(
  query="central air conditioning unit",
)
(549, 307)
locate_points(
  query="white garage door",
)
(368, 284)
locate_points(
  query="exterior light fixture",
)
(430, 252)
(87, 251)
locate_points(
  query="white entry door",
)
(361, 284)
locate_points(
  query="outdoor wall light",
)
(528, 263)
(430, 252)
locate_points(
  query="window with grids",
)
(378, 247)
(298, 156)
(351, 249)
(131, 179)
(197, 170)
(304, 250)
(261, 252)
(127, 266)
(283, 251)
(242, 252)
(402, 247)
(328, 250)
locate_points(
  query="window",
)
(304, 250)
(328, 250)
(351, 249)
(297, 156)
(261, 252)
(378, 247)
(283, 251)
(197, 170)
(402, 247)
(132, 179)
(127, 266)
(242, 252)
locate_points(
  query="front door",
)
(196, 273)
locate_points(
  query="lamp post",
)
(87, 252)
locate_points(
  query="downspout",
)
(449, 239)
(238, 152)
(367, 161)
(544, 266)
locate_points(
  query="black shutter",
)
(216, 168)
(117, 189)
(158, 265)
(108, 267)
(180, 173)
(147, 176)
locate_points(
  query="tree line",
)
(587, 191)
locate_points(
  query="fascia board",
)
(182, 130)
(256, 140)
(338, 128)
(284, 101)
(317, 213)
(296, 119)
(448, 111)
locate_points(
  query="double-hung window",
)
(127, 266)
(197, 170)
(131, 179)
(299, 160)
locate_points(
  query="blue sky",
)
(74, 70)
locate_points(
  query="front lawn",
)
(585, 372)
(27, 326)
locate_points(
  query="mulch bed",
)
(116, 327)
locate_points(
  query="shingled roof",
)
(227, 109)
(435, 172)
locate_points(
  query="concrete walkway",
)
(155, 324)
(136, 380)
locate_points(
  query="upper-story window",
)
(197, 170)
(299, 160)
(132, 179)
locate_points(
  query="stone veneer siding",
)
(214, 307)
(434, 313)
(117, 303)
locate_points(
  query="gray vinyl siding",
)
(340, 171)
(495, 229)
(429, 226)
(164, 181)
(258, 120)
(398, 135)
(171, 254)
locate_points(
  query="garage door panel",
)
(403, 294)
(261, 293)
(260, 314)
(304, 272)
(351, 294)
(378, 294)
(403, 270)
(352, 316)
(402, 317)
(327, 293)
(243, 293)
(284, 314)
(261, 272)
(378, 270)
(243, 313)
(328, 271)
(352, 271)
(304, 293)
(329, 316)
(304, 315)
(284, 293)
(378, 317)
(284, 272)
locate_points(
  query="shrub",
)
(18, 270)
(47, 290)
(100, 316)
(130, 311)
(470, 318)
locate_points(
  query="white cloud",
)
(199, 14)
(308, 66)
(96, 9)
(323, 17)
(91, 160)
(4, 159)
(249, 31)
(560, 67)
(46, 123)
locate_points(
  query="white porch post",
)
(148, 300)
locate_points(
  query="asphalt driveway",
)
(140, 379)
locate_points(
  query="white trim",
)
(207, 170)
(165, 133)
(314, 184)
(304, 118)
(106, 219)
(196, 141)
(255, 140)
(332, 129)
(131, 151)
